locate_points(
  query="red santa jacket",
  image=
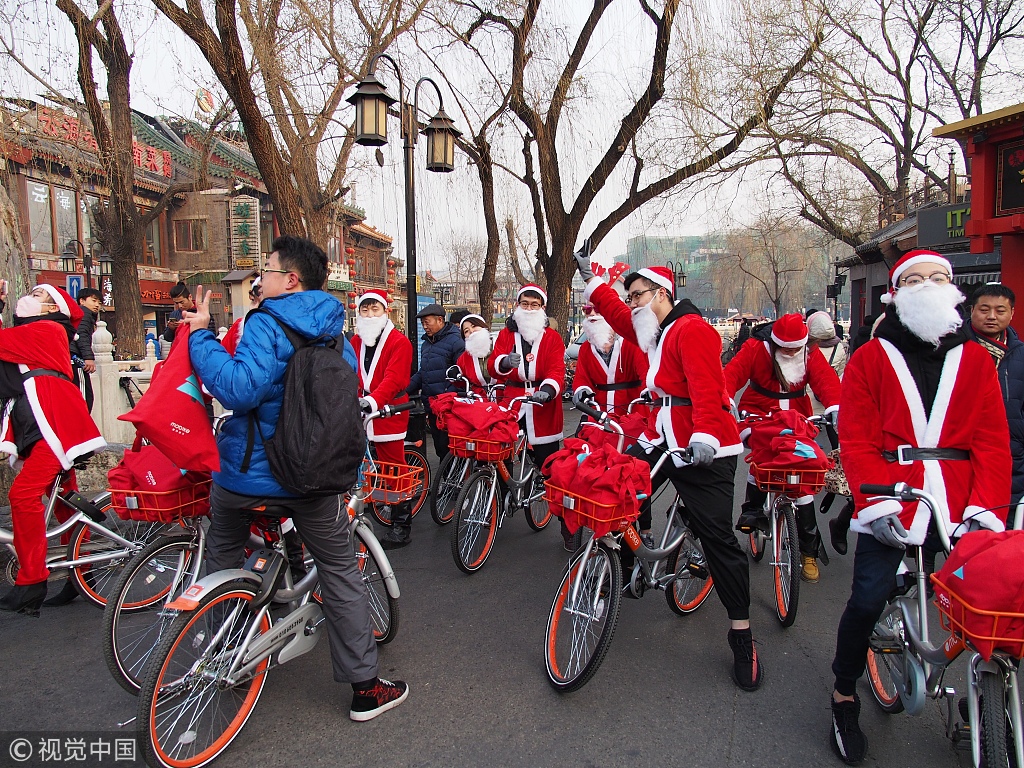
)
(881, 410)
(233, 336)
(686, 363)
(56, 403)
(616, 383)
(383, 382)
(545, 364)
(472, 370)
(753, 364)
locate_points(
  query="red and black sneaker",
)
(747, 670)
(384, 695)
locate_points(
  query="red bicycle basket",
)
(481, 450)
(985, 630)
(162, 506)
(791, 481)
(391, 483)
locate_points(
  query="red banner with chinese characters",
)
(67, 128)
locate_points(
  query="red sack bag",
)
(152, 471)
(441, 406)
(172, 413)
(634, 425)
(980, 591)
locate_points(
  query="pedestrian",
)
(473, 362)
(46, 427)
(690, 409)
(182, 299)
(91, 301)
(920, 406)
(384, 360)
(440, 349)
(991, 311)
(863, 334)
(822, 333)
(251, 384)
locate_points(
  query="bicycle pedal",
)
(697, 570)
(886, 646)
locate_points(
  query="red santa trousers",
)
(28, 512)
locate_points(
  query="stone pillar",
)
(110, 401)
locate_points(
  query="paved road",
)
(470, 646)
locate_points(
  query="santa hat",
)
(533, 288)
(790, 331)
(65, 304)
(912, 258)
(476, 320)
(661, 276)
(373, 295)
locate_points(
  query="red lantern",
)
(350, 250)
(351, 305)
(351, 262)
(391, 272)
(391, 262)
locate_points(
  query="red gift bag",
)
(172, 413)
(147, 486)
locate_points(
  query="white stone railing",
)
(110, 400)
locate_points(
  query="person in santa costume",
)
(473, 362)
(529, 359)
(777, 367)
(691, 409)
(921, 405)
(385, 363)
(45, 427)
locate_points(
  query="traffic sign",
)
(74, 285)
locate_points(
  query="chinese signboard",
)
(244, 218)
(57, 125)
(1010, 178)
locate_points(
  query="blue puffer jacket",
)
(254, 377)
(1011, 379)
(437, 355)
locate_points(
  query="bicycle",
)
(585, 610)
(784, 487)
(208, 671)
(100, 543)
(480, 507)
(904, 667)
(415, 457)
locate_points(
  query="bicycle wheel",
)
(451, 475)
(885, 665)
(96, 582)
(758, 543)
(693, 585)
(134, 618)
(414, 458)
(994, 733)
(476, 521)
(786, 568)
(537, 513)
(383, 607)
(188, 712)
(579, 633)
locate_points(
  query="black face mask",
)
(53, 317)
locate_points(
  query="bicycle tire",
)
(538, 514)
(758, 542)
(476, 522)
(134, 618)
(573, 649)
(170, 684)
(689, 591)
(383, 607)
(885, 669)
(786, 569)
(381, 510)
(995, 738)
(448, 480)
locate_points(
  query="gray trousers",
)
(323, 525)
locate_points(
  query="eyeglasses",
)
(279, 271)
(588, 310)
(632, 297)
(939, 278)
(530, 304)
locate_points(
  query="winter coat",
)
(253, 379)
(438, 353)
(82, 344)
(383, 380)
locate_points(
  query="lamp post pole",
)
(408, 129)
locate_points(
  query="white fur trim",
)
(924, 258)
(535, 289)
(657, 279)
(591, 286)
(862, 522)
(984, 518)
(832, 409)
(789, 344)
(553, 383)
(704, 437)
(59, 300)
(372, 297)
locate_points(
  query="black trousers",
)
(438, 435)
(707, 493)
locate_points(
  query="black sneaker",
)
(572, 541)
(847, 739)
(384, 695)
(395, 539)
(747, 670)
(749, 521)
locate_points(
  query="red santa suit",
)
(233, 336)
(382, 381)
(474, 369)
(617, 382)
(543, 364)
(882, 410)
(753, 364)
(685, 375)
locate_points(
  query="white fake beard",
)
(794, 369)
(478, 343)
(646, 326)
(370, 328)
(531, 323)
(929, 311)
(599, 333)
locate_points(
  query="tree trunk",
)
(560, 271)
(13, 264)
(488, 282)
(123, 247)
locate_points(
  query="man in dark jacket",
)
(90, 300)
(441, 348)
(991, 312)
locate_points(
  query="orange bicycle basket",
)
(792, 481)
(985, 630)
(479, 449)
(391, 483)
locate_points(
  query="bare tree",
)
(769, 252)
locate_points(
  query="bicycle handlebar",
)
(579, 400)
(390, 410)
(903, 492)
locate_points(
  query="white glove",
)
(703, 454)
(511, 362)
(582, 257)
(890, 531)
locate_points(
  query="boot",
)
(752, 514)
(810, 539)
(400, 534)
(66, 595)
(838, 528)
(24, 598)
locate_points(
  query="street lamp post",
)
(372, 101)
(678, 274)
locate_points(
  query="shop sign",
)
(57, 125)
(244, 220)
(942, 225)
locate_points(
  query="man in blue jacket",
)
(442, 346)
(253, 380)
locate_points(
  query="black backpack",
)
(319, 442)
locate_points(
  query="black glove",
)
(364, 405)
(544, 394)
(582, 257)
(510, 362)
